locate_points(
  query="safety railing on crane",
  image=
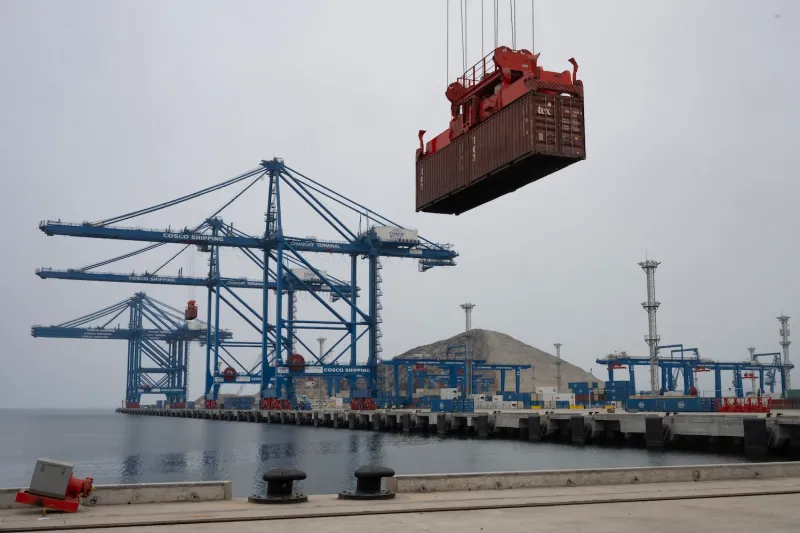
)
(476, 74)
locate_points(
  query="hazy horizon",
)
(691, 120)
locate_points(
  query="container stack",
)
(238, 402)
(564, 401)
(583, 391)
(618, 391)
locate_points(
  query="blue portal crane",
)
(285, 268)
(503, 368)
(766, 375)
(675, 373)
(688, 366)
(158, 343)
(456, 372)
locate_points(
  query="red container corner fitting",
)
(512, 123)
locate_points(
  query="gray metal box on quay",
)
(50, 478)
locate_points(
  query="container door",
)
(442, 173)
(545, 119)
(571, 124)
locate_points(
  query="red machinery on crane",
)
(512, 123)
(191, 310)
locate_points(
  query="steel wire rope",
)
(512, 7)
(496, 23)
(463, 41)
(466, 38)
(156, 245)
(175, 201)
(344, 201)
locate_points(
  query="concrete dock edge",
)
(138, 493)
(589, 477)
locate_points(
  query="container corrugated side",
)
(548, 126)
(501, 139)
(443, 173)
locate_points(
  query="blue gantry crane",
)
(457, 370)
(688, 366)
(285, 269)
(158, 343)
(767, 375)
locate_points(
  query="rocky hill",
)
(495, 347)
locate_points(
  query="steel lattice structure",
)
(286, 270)
(158, 343)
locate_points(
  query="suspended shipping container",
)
(512, 123)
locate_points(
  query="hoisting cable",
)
(483, 50)
(168, 261)
(511, 5)
(463, 57)
(533, 27)
(114, 259)
(217, 212)
(447, 44)
(156, 245)
(175, 201)
(496, 16)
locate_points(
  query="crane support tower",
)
(468, 307)
(651, 306)
(558, 346)
(277, 332)
(785, 342)
(512, 123)
(158, 344)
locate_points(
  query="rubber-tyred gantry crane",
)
(285, 269)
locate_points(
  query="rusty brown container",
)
(531, 138)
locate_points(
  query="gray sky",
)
(691, 138)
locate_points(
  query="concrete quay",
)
(730, 498)
(751, 434)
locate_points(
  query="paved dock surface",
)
(730, 506)
(768, 515)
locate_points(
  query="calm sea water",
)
(115, 448)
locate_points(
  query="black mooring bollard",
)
(279, 487)
(368, 484)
